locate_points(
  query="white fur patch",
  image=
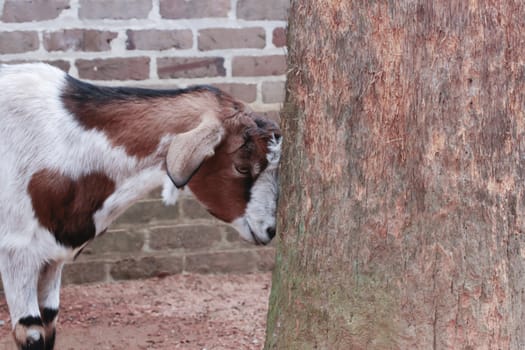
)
(274, 151)
(170, 193)
(261, 209)
(33, 334)
(128, 192)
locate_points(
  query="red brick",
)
(279, 37)
(34, 10)
(249, 66)
(192, 209)
(235, 240)
(221, 262)
(244, 92)
(114, 9)
(17, 42)
(176, 9)
(136, 68)
(184, 237)
(159, 39)
(60, 64)
(190, 67)
(273, 92)
(268, 9)
(84, 272)
(146, 267)
(146, 212)
(265, 259)
(79, 40)
(114, 241)
(229, 38)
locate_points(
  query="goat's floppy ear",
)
(188, 150)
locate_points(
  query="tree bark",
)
(401, 216)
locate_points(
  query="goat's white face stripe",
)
(260, 211)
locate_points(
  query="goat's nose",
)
(270, 232)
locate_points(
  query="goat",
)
(74, 156)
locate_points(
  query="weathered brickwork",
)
(279, 37)
(253, 66)
(19, 41)
(265, 10)
(152, 39)
(114, 9)
(187, 67)
(220, 38)
(236, 45)
(177, 9)
(154, 240)
(35, 10)
(134, 68)
(155, 43)
(273, 92)
(78, 40)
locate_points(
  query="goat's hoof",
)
(49, 319)
(33, 341)
(29, 334)
(50, 339)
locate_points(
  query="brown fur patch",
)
(65, 206)
(137, 119)
(218, 184)
(224, 193)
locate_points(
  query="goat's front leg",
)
(20, 275)
(49, 299)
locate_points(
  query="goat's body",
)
(37, 132)
(74, 156)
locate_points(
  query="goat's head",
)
(230, 164)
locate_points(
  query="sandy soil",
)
(177, 312)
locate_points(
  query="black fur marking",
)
(48, 315)
(29, 321)
(80, 91)
(181, 185)
(50, 341)
(248, 184)
(271, 232)
(82, 249)
(34, 345)
(177, 185)
(261, 123)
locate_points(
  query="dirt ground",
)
(177, 312)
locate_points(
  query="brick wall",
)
(236, 45)
(151, 239)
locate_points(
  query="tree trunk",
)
(402, 211)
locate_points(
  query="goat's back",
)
(38, 133)
(31, 114)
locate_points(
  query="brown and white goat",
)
(74, 156)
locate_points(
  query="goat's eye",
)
(243, 170)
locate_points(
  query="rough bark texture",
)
(402, 213)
